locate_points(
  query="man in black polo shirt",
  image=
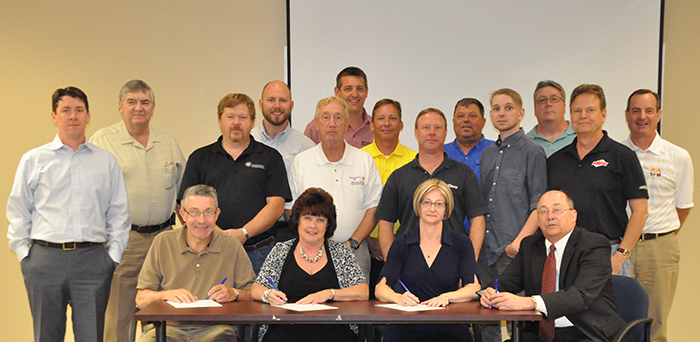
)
(431, 162)
(602, 176)
(249, 176)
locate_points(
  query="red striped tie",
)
(549, 285)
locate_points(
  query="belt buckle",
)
(63, 245)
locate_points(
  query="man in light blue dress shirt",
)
(69, 224)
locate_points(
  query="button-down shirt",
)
(565, 138)
(513, 177)
(60, 195)
(472, 158)
(152, 174)
(288, 142)
(668, 171)
(559, 246)
(358, 137)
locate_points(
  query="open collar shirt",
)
(60, 195)
(152, 174)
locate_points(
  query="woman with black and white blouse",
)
(309, 270)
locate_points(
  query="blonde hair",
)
(327, 101)
(428, 186)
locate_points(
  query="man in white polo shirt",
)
(668, 170)
(347, 173)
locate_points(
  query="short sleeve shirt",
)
(565, 138)
(171, 264)
(600, 184)
(472, 158)
(397, 197)
(353, 181)
(242, 185)
(668, 170)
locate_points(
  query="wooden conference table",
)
(364, 313)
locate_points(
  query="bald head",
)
(556, 215)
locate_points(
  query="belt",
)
(615, 241)
(653, 236)
(67, 246)
(260, 244)
(154, 228)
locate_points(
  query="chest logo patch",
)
(357, 180)
(451, 186)
(255, 166)
(655, 172)
(599, 163)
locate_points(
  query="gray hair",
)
(134, 86)
(200, 190)
(549, 83)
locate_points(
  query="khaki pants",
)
(655, 266)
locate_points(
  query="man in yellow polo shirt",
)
(389, 154)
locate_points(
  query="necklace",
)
(318, 255)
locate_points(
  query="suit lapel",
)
(538, 259)
(568, 253)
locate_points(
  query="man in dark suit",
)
(580, 301)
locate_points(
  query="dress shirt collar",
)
(512, 139)
(279, 136)
(126, 138)
(57, 144)
(559, 245)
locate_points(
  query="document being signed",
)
(305, 307)
(202, 303)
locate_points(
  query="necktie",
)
(549, 285)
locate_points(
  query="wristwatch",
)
(353, 243)
(626, 252)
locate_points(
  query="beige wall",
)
(192, 54)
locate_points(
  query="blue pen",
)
(222, 283)
(273, 284)
(404, 286)
(496, 285)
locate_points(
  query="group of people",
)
(346, 212)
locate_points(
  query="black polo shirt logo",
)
(255, 166)
(599, 163)
(357, 180)
(451, 186)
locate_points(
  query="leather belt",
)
(615, 241)
(653, 236)
(67, 246)
(154, 228)
(260, 244)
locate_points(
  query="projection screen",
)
(433, 53)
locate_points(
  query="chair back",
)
(632, 302)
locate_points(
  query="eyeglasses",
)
(428, 204)
(555, 211)
(195, 213)
(554, 99)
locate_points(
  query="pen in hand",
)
(496, 286)
(222, 283)
(273, 284)
(404, 286)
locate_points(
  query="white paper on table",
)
(202, 303)
(305, 307)
(420, 307)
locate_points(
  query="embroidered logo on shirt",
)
(255, 166)
(599, 163)
(655, 172)
(452, 186)
(357, 180)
